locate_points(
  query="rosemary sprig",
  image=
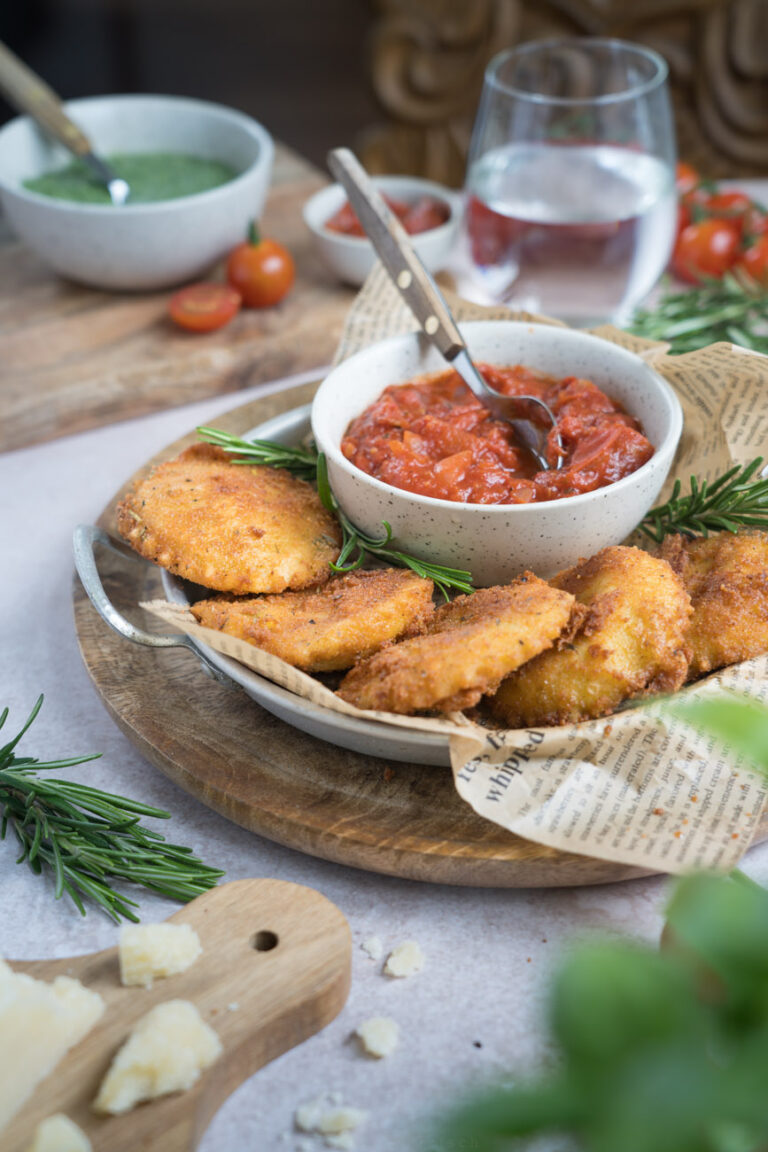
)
(729, 309)
(302, 462)
(735, 500)
(356, 545)
(88, 838)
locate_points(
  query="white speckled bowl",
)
(352, 257)
(496, 542)
(138, 246)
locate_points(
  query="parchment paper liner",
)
(638, 787)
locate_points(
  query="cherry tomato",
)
(262, 271)
(755, 221)
(729, 206)
(204, 307)
(707, 248)
(686, 178)
(755, 261)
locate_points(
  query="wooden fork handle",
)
(397, 254)
(30, 94)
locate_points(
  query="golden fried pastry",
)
(630, 643)
(470, 646)
(726, 577)
(232, 527)
(329, 628)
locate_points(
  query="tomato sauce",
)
(433, 437)
(420, 216)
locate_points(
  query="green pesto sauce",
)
(152, 176)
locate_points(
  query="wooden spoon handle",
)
(397, 254)
(30, 94)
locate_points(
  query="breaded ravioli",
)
(726, 577)
(327, 629)
(231, 527)
(631, 643)
(471, 644)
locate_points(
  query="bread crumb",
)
(373, 947)
(233, 1006)
(379, 1036)
(404, 960)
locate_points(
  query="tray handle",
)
(84, 540)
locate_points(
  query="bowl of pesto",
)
(198, 172)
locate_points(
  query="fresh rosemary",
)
(302, 462)
(726, 309)
(88, 838)
(735, 500)
(356, 546)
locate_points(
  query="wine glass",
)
(571, 206)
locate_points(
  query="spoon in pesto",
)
(30, 94)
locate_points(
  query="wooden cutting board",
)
(275, 969)
(73, 358)
(218, 744)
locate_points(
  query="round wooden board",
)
(219, 745)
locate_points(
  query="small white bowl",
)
(352, 257)
(496, 542)
(138, 246)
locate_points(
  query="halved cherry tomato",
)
(204, 307)
(707, 248)
(755, 261)
(262, 271)
(686, 178)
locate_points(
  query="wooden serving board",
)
(275, 969)
(219, 745)
(73, 358)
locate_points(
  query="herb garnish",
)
(727, 309)
(357, 545)
(735, 500)
(88, 837)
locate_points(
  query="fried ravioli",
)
(470, 646)
(231, 527)
(630, 643)
(727, 579)
(327, 629)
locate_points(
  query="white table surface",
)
(489, 953)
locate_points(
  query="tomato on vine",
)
(754, 261)
(262, 271)
(707, 248)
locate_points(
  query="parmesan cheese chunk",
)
(39, 1023)
(373, 947)
(166, 1052)
(379, 1036)
(335, 1123)
(59, 1134)
(151, 951)
(404, 960)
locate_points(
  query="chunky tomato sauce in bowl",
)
(434, 213)
(433, 437)
(408, 444)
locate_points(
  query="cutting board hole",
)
(265, 941)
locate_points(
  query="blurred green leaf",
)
(738, 721)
